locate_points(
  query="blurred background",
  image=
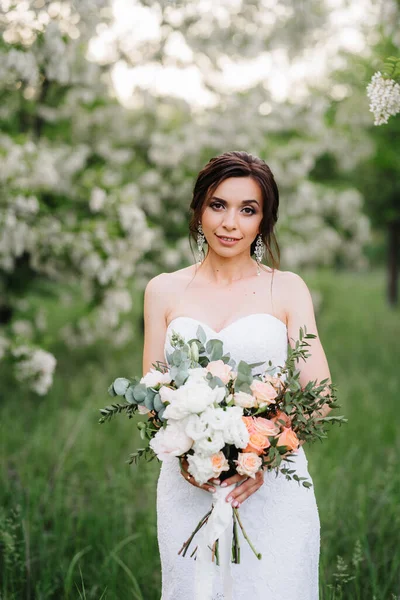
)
(108, 110)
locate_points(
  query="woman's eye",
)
(217, 204)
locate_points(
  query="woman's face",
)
(235, 211)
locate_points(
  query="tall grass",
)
(76, 521)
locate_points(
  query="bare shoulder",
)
(164, 288)
(291, 282)
(291, 292)
(178, 282)
(297, 300)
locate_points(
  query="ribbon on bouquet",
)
(219, 526)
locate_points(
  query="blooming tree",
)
(67, 217)
(95, 195)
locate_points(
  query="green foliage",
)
(65, 488)
(391, 67)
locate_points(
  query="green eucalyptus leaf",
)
(177, 357)
(181, 377)
(216, 381)
(215, 349)
(200, 333)
(121, 385)
(140, 392)
(129, 395)
(243, 368)
(158, 403)
(148, 402)
(111, 391)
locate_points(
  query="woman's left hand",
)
(239, 494)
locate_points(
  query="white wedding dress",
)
(281, 517)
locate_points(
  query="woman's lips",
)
(231, 242)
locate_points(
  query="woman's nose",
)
(230, 219)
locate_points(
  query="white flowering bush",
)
(383, 91)
(94, 196)
(67, 215)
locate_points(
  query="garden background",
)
(108, 110)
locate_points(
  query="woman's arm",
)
(155, 303)
(300, 313)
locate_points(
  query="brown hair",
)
(239, 164)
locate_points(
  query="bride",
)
(256, 311)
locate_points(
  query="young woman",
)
(255, 311)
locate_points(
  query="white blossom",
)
(171, 440)
(384, 94)
(34, 367)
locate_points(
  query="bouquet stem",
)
(215, 552)
(236, 515)
(199, 526)
(235, 541)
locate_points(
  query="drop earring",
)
(200, 241)
(259, 252)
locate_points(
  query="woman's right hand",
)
(208, 486)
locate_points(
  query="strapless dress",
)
(281, 517)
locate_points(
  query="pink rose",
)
(219, 463)
(257, 443)
(249, 422)
(265, 426)
(244, 400)
(288, 438)
(264, 392)
(219, 369)
(281, 416)
(248, 464)
(275, 381)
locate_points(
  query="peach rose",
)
(264, 392)
(219, 463)
(257, 443)
(244, 400)
(219, 369)
(265, 426)
(288, 438)
(277, 382)
(282, 416)
(248, 464)
(249, 422)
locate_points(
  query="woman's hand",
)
(206, 486)
(245, 489)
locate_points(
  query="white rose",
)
(192, 398)
(177, 408)
(154, 377)
(210, 444)
(235, 431)
(197, 426)
(244, 400)
(171, 440)
(216, 417)
(196, 375)
(201, 467)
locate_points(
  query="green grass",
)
(76, 521)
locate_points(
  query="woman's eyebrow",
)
(225, 202)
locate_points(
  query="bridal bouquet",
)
(203, 407)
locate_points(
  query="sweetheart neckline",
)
(230, 324)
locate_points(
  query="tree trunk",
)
(393, 261)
